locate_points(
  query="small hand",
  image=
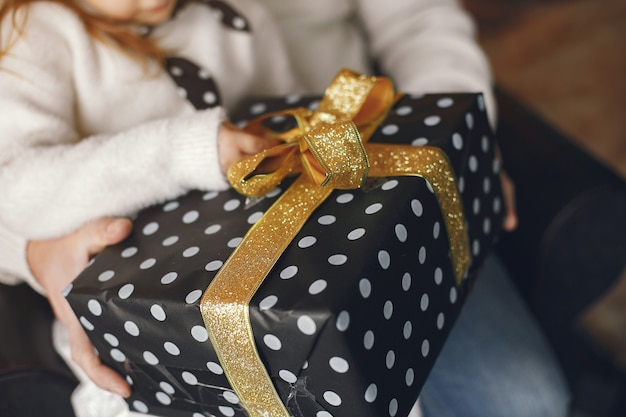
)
(235, 144)
(55, 263)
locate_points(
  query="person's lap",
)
(496, 361)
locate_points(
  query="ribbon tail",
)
(432, 164)
(274, 165)
(224, 305)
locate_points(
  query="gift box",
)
(222, 304)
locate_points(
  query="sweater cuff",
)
(195, 156)
(14, 267)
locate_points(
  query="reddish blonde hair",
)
(100, 28)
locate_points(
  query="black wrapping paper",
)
(351, 318)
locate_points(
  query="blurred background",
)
(567, 60)
(560, 71)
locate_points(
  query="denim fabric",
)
(496, 362)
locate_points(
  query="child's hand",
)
(55, 263)
(234, 144)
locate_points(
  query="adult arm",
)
(430, 46)
(427, 46)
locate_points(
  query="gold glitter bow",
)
(330, 148)
(327, 144)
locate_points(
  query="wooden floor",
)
(566, 59)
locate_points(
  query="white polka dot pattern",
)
(351, 318)
(194, 84)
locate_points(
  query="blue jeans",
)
(496, 362)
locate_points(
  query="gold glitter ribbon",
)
(329, 149)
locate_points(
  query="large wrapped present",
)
(325, 283)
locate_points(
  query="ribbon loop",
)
(259, 125)
(332, 154)
(357, 97)
(259, 174)
(331, 139)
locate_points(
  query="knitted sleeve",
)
(427, 46)
(14, 267)
(52, 178)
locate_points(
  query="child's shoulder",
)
(42, 16)
(45, 10)
(41, 23)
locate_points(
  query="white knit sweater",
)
(424, 45)
(87, 131)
